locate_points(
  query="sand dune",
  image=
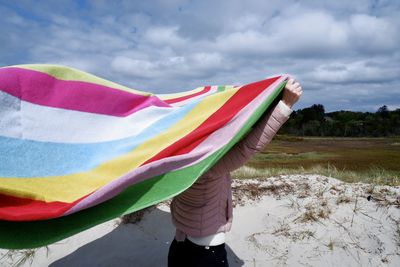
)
(290, 220)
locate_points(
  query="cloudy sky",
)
(346, 54)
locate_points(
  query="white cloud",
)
(331, 47)
(364, 71)
(206, 61)
(195, 65)
(315, 33)
(372, 34)
(164, 36)
(309, 34)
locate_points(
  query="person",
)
(203, 213)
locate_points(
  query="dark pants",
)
(189, 254)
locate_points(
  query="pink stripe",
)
(203, 150)
(42, 89)
(182, 98)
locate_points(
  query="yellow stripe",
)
(71, 187)
(59, 72)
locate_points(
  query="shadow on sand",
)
(145, 243)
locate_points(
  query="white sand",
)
(294, 220)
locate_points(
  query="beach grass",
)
(370, 160)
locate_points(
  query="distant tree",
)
(330, 128)
(315, 112)
(353, 128)
(383, 111)
(314, 121)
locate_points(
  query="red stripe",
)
(23, 209)
(225, 113)
(178, 99)
(42, 89)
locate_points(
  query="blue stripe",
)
(27, 158)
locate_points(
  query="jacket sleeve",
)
(256, 140)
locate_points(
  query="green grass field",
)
(374, 160)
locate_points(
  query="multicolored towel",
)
(77, 150)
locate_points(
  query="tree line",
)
(313, 121)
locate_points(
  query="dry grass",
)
(370, 160)
(301, 235)
(19, 257)
(323, 202)
(293, 203)
(396, 230)
(313, 213)
(373, 175)
(331, 244)
(342, 198)
(254, 191)
(135, 217)
(284, 229)
(383, 197)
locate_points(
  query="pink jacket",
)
(206, 207)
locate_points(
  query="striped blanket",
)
(77, 150)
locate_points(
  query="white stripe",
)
(184, 102)
(175, 95)
(21, 119)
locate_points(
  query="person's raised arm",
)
(262, 133)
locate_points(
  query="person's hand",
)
(291, 92)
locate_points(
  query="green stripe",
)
(222, 88)
(19, 235)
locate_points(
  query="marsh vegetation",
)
(351, 159)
